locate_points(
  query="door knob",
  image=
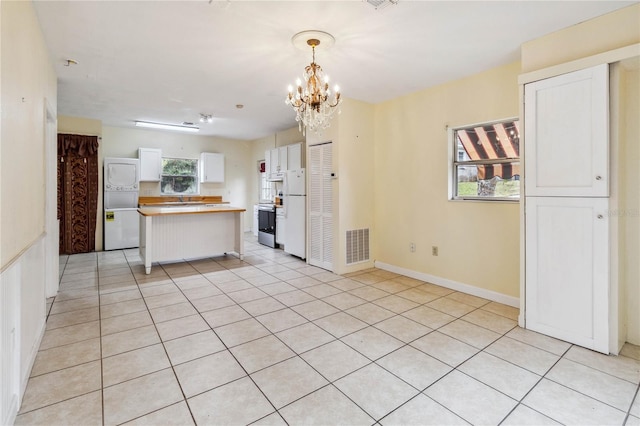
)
(598, 177)
(600, 216)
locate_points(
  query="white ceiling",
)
(170, 61)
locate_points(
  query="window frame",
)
(454, 163)
(196, 177)
(264, 185)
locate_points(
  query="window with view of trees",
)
(486, 161)
(179, 176)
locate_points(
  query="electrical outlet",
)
(434, 250)
(412, 247)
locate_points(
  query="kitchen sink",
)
(181, 203)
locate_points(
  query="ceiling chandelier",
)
(312, 100)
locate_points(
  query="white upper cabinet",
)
(279, 160)
(211, 167)
(150, 164)
(567, 135)
(274, 163)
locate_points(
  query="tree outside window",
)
(179, 176)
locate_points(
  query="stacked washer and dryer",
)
(121, 218)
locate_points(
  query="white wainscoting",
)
(453, 285)
(22, 324)
(172, 237)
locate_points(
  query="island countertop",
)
(189, 209)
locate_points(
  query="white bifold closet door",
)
(566, 201)
(320, 196)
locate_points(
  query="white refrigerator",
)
(295, 212)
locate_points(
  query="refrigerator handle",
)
(285, 187)
(285, 195)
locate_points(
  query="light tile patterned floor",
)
(274, 341)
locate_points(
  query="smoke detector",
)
(381, 4)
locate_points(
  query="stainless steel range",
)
(267, 225)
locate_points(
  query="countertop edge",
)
(160, 211)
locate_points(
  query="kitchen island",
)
(190, 231)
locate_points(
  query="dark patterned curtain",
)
(77, 192)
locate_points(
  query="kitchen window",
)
(266, 187)
(486, 161)
(179, 176)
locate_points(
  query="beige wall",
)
(80, 126)
(478, 241)
(354, 166)
(608, 32)
(629, 211)
(27, 159)
(27, 80)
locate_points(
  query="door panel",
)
(567, 269)
(320, 206)
(567, 135)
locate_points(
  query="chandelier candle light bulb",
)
(312, 102)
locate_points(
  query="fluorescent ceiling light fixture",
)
(190, 129)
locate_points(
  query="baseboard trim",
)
(26, 373)
(453, 285)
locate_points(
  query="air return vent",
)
(380, 4)
(357, 246)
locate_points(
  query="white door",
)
(320, 206)
(295, 232)
(295, 182)
(567, 271)
(566, 135)
(566, 227)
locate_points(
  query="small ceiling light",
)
(311, 99)
(204, 118)
(161, 126)
(239, 106)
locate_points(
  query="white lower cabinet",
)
(567, 269)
